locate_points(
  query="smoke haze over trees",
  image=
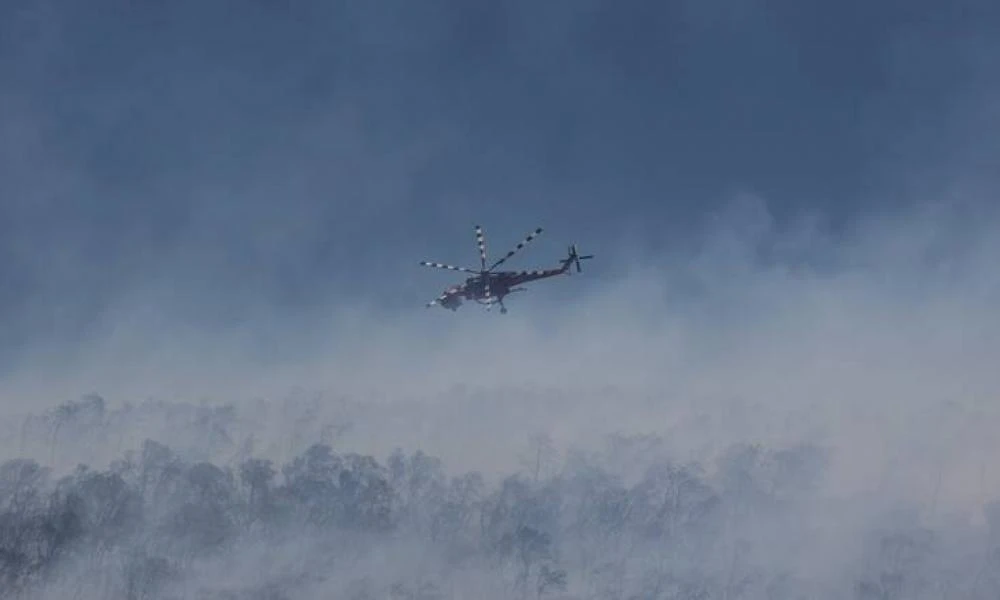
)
(776, 380)
(166, 521)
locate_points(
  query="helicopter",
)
(489, 287)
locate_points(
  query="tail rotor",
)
(575, 257)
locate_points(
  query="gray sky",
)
(212, 162)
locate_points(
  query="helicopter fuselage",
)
(501, 283)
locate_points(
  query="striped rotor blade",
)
(523, 243)
(444, 266)
(481, 241)
(489, 298)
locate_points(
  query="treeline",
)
(155, 524)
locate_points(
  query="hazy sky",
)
(209, 160)
(792, 203)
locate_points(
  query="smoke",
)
(883, 351)
(213, 224)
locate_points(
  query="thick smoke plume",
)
(744, 422)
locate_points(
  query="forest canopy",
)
(161, 521)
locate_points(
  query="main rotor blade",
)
(449, 267)
(523, 243)
(481, 241)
